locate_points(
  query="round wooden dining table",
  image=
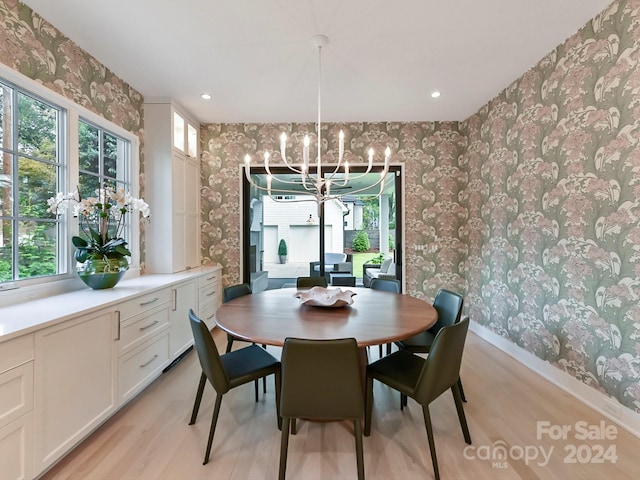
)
(375, 317)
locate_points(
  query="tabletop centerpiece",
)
(101, 251)
(325, 297)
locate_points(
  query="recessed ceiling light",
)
(206, 96)
(435, 94)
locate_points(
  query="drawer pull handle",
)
(142, 304)
(211, 316)
(147, 363)
(211, 278)
(149, 326)
(211, 293)
(117, 324)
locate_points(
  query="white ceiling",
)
(382, 63)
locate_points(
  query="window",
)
(104, 159)
(32, 169)
(48, 144)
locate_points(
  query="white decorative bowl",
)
(325, 297)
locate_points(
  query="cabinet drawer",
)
(16, 393)
(209, 292)
(143, 303)
(140, 328)
(209, 279)
(139, 367)
(16, 352)
(207, 312)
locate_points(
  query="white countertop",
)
(22, 318)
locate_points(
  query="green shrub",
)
(392, 243)
(377, 260)
(361, 241)
(282, 247)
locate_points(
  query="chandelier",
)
(320, 186)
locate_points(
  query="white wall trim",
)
(603, 404)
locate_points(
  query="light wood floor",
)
(150, 438)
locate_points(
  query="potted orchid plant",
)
(100, 248)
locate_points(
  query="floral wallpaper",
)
(531, 207)
(553, 202)
(429, 151)
(36, 49)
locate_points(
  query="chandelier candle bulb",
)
(266, 162)
(283, 147)
(340, 147)
(305, 153)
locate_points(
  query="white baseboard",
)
(603, 404)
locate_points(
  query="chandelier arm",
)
(272, 191)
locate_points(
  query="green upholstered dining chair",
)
(424, 380)
(386, 285)
(448, 304)
(308, 282)
(229, 293)
(228, 371)
(321, 379)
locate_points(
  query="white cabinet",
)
(185, 297)
(74, 381)
(143, 344)
(172, 189)
(16, 408)
(60, 382)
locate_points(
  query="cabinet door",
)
(15, 441)
(180, 335)
(192, 212)
(74, 383)
(178, 206)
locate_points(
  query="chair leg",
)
(457, 398)
(264, 379)
(255, 384)
(212, 430)
(196, 404)
(380, 352)
(359, 456)
(368, 406)
(229, 343)
(388, 349)
(294, 426)
(403, 401)
(278, 384)
(284, 444)
(432, 445)
(464, 398)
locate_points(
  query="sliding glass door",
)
(281, 233)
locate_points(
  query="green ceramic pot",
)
(102, 273)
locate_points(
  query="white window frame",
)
(28, 289)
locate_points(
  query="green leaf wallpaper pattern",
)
(434, 181)
(36, 49)
(554, 261)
